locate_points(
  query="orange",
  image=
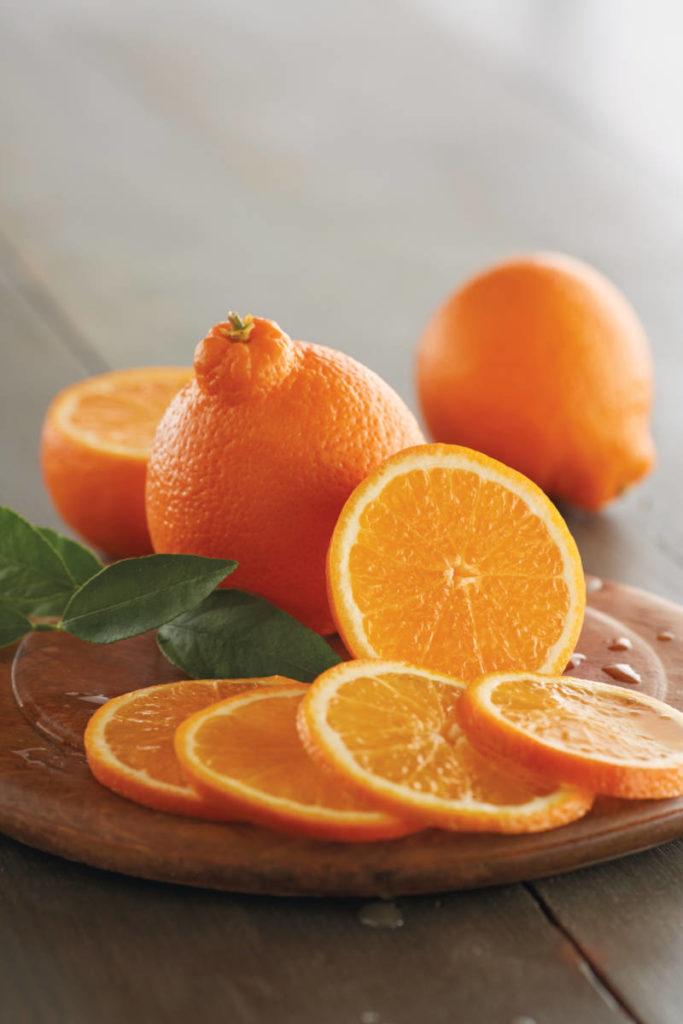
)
(245, 753)
(450, 560)
(609, 739)
(129, 742)
(390, 730)
(541, 362)
(255, 458)
(95, 444)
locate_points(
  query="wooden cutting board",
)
(49, 800)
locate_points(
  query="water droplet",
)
(593, 584)
(576, 659)
(31, 755)
(369, 1017)
(47, 757)
(665, 635)
(620, 643)
(622, 672)
(89, 698)
(523, 1020)
(381, 914)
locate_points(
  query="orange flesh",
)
(403, 729)
(122, 410)
(259, 746)
(454, 572)
(140, 736)
(590, 723)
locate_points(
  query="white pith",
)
(349, 528)
(485, 689)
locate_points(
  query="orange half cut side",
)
(448, 559)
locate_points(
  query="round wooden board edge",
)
(650, 825)
(115, 858)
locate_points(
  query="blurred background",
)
(339, 168)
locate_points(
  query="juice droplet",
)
(665, 635)
(576, 659)
(620, 643)
(593, 584)
(369, 1017)
(379, 914)
(623, 673)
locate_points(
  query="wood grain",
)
(630, 928)
(81, 945)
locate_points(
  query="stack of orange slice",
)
(459, 590)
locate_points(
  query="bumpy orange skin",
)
(255, 458)
(100, 496)
(542, 363)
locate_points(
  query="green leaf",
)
(80, 561)
(233, 635)
(137, 594)
(12, 626)
(33, 577)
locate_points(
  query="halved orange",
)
(129, 741)
(612, 740)
(96, 439)
(246, 754)
(390, 730)
(446, 558)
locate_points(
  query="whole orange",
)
(254, 459)
(94, 448)
(542, 363)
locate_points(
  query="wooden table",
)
(337, 167)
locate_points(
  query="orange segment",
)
(246, 753)
(129, 741)
(604, 737)
(390, 729)
(449, 559)
(96, 440)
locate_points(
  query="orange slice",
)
(451, 560)
(604, 737)
(96, 439)
(246, 753)
(129, 741)
(390, 729)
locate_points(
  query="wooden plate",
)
(49, 800)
